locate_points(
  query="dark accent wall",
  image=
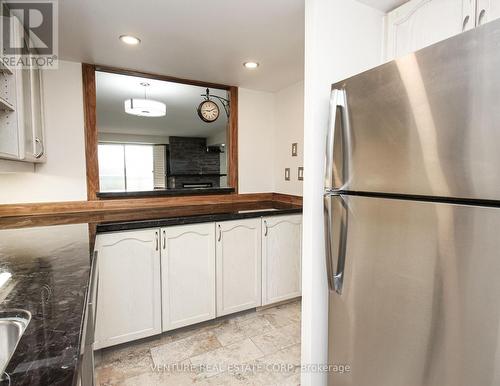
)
(189, 162)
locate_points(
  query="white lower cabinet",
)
(156, 280)
(129, 297)
(281, 258)
(188, 274)
(238, 265)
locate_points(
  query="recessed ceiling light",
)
(251, 65)
(129, 39)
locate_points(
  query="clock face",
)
(208, 111)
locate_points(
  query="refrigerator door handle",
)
(335, 276)
(338, 98)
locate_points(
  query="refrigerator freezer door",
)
(338, 125)
(420, 299)
(425, 124)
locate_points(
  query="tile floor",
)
(252, 348)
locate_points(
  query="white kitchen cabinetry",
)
(238, 265)
(281, 258)
(129, 292)
(487, 10)
(34, 117)
(188, 274)
(21, 108)
(420, 23)
(160, 279)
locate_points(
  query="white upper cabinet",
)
(281, 258)
(487, 10)
(188, 274)
(420, 23)
(469, 17)
(238, 262)
(21, 108)
(129, 297)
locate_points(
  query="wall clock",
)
(208, 111)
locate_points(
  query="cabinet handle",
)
(156, 237)
(480, 17)
(464, 24)
(42, 148)
(265, 228)
(164, 240)
(220, 232)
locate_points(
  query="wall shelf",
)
(5, 69)
(6, 105)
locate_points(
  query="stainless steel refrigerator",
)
(412, 218)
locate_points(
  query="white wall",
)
(289, 128)
(255, 141)
(217, 138)
(62, 177)
(268, 124)
(343, 37)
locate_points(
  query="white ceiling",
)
(193, 39)
(182, 101)
(383, 5)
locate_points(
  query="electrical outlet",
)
(300, 173)
(287, 174)
(294, 149)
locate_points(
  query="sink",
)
(12, 326)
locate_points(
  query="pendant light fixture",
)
(145, 107)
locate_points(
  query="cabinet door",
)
(281, 258)
(34, 117)
(129, 297)
(238, 262)
(487, 10)
(420, 23)
(188, 274)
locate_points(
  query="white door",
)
(129, 297)
(281, 258)
(420, 23)
(238, 262)
(188, 274)
(487, 10)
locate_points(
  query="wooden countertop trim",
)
(106, 206)
(52, 208)
(287, 198)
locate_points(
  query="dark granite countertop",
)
(137, 218)
(234, 212)
(49, 259)
(50, 271)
